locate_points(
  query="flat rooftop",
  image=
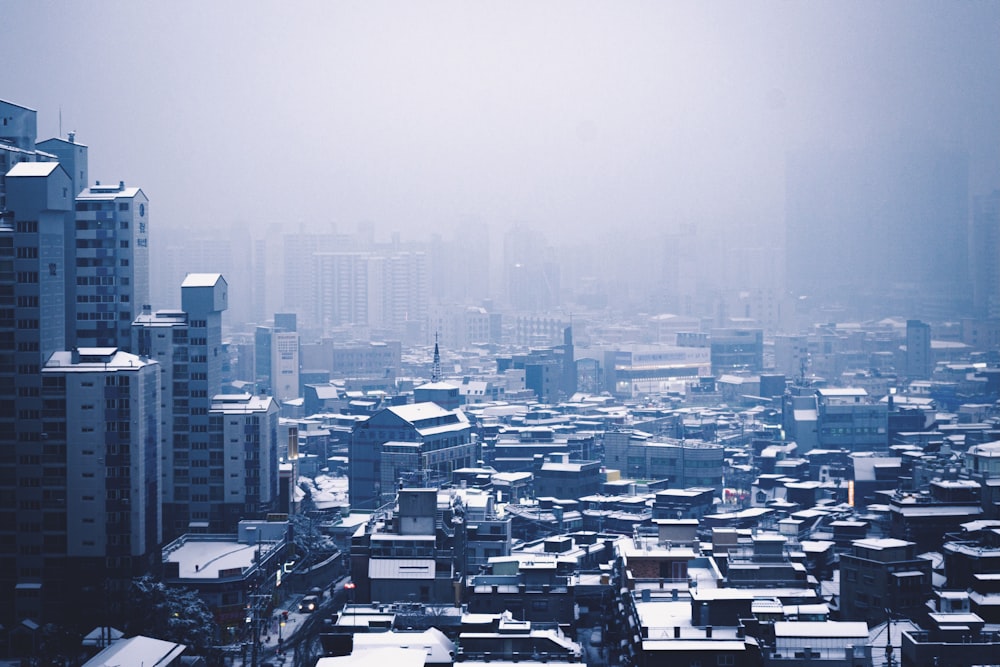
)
(204, 559)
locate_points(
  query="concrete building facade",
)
(422, 440)
(111, 246)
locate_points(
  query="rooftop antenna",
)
(60, 121)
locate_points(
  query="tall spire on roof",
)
(436, 368)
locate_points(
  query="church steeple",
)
(436, 368)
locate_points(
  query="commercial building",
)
(736, 350)
(836, 418)
(376, 360)
(422, 442)
(657, 369)
(683, 463)
(925, 516)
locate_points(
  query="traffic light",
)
(284, 615)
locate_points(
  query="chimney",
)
(708, 631)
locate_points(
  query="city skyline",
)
(566, 118)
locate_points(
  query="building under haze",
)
(111, 264)
(879, 229)
(531, 271)
(985, 259)
(919, 362)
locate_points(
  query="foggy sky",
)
(417, 116)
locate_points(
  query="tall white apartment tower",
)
(244, 428)
(100, 523)
(285, 365)
(163, 336)
(188, 344)
(112, 265)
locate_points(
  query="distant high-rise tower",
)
(530, 270)
(112, 265)
(259, 284)
(919, 362)
(285, 365)
(985, 259)
(884, 228)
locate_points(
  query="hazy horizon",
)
(566, 117)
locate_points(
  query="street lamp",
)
(349, 587)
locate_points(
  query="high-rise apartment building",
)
(32, 327)
(383, 290)
(188, 343)
(242, 463)
(919, 362)
(111, 264)
(90, 518)
(345, 288)
(300, 273)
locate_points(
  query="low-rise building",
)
(226, 570)
(882, 574)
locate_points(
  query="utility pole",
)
(258, 601)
